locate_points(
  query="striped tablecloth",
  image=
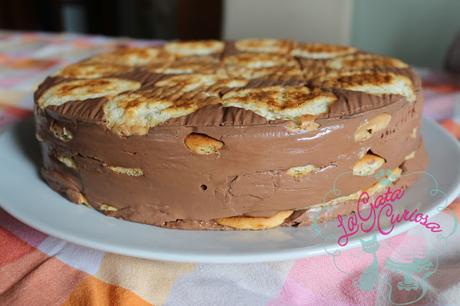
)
(37, 269)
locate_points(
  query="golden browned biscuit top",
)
(276, 79)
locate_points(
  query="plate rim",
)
(275, 255)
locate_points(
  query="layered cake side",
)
(250, 134)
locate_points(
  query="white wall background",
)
(308, 20)
(417, 31)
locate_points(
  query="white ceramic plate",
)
(24, 195)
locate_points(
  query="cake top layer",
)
(131, 90)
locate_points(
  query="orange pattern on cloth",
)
(16, 249)
(31, 277)
(453, 127)
(150, 279)
(37, 279)
(92, 291)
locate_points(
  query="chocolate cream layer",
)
(262, 167)
(248, 177)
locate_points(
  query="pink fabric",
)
(418, 267)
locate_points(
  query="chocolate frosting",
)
(247, 177)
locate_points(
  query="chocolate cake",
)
(248, 134)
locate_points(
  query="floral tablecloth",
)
(418, 267)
